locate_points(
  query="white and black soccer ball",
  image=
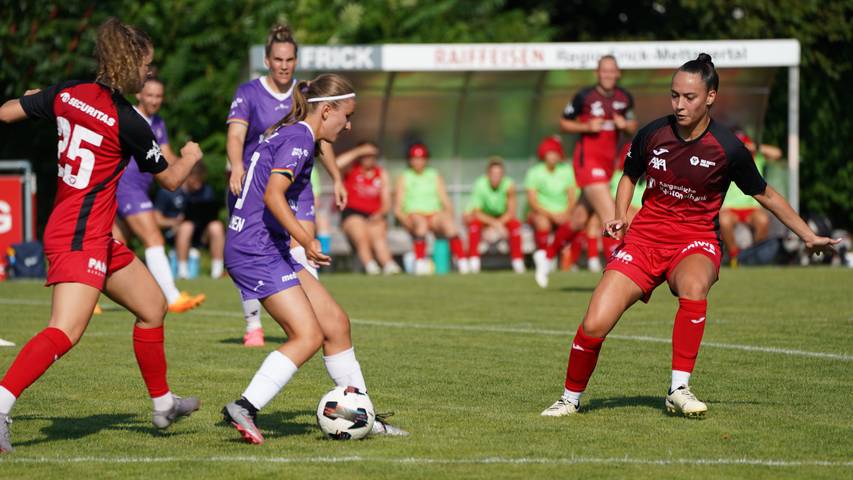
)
(345, 413)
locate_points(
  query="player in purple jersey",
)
(136, 210)
(258, 104)
(257, 253)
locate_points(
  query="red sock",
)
(541, 238)
(591, 246)
(456, 248)
(734, 252)
(564, 235)
(420, 248)
(151, 357)
(474, 229)
(513, 226)
(582, 360)
(575, 252)
(35, 358)
(687, 333)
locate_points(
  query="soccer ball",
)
(345, 413)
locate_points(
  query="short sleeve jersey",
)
(591, 103)
(253, 232)
(171, 204)
(551, 187)
(491, 201)
(737, 199)
(98, 133)
(421, 191)
(258, 107)
(133, 178)
(364, 189)
(686, 182)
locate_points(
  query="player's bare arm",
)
(328, 159)
(172, 177)
(11, 111)
(236, 139)
(773, 201)
(617, 226)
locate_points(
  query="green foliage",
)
(201, 49)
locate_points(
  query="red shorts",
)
(90, 267)
(592, 167)
(743, 213)
(648, 267)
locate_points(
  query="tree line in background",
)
(201, 55)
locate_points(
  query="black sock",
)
(253, 411)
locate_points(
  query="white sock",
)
(273, 375)
(163, 402)
(183, 269)
(679, 378)
(7, 401)
(216, 268)
(574, 397)
(252, 314)
(345, 369)
(158, 264)
(298, 254)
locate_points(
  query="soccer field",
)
(467, 363)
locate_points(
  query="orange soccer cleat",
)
(186, 302)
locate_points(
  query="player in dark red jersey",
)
(98, 132)
(689, 161)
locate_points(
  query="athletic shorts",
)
(132, 201)
(90, 267)
(304, 210)
(743, 213)
(265, 276)
(592, 167)
(648, 267)
(351, 212)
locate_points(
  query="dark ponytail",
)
(704, 67)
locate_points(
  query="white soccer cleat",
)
(561, 408)
(682, 401)
(6, 343)
(543, 268)
(518, 265)
(391, 268)
(474, 263)
(372, 268)
(463, 266)
(422, 267)
(594, 264)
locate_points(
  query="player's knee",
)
(594, 328)
(216, 229)
(727, 220)
(693, 289)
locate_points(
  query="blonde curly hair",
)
(120, 50)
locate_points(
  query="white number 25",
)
(72, 137)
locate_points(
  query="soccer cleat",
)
(561, 408)
(463, 266)
(372, 268)
(518, 265)
(244, 422)
(255, 338)
(594, 264)
(682, 401)
(422, 267)
(543, 267)
(391, 268)
(97, 310)
(183, 407)
(5, 434)
(186, 302)
(6, 343)
(382, 427)
(474, 263)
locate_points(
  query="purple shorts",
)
(265, 277)
(131, 202)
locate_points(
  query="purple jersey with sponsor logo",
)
(253, 232)
(258, 107)
(132, 191)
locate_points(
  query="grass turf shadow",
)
(621, 402)
(268, 340)
(74, 428)
(281, 424)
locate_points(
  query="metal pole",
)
(794, 137)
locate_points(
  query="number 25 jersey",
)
(98, 132)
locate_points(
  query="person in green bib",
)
(492, 206)
(422, 206)
(741, 208)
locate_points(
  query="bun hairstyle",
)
(280, 34)
(120, 50)
(705, 68)
(326, 85)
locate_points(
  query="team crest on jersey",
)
(701, 162)
(617, 105)
(596, 109)
(237, 101)
(154, 152)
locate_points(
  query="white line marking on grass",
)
(442, 461)
(499, 329)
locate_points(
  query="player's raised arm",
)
(11, 111)
(773, 201)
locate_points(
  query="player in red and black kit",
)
(599, 114)
(98, 132)
(689, 161)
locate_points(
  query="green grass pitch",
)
(467, 363)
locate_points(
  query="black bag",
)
(762, 253)
(28, 260)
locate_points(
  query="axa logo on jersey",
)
(657, 162)
(96, 267)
